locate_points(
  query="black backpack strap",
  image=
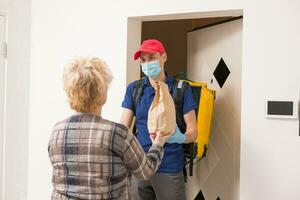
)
(136, 96)
(137, 93)
(177, 95)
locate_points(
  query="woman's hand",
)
(159, 138)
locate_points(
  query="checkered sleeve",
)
(143, 165)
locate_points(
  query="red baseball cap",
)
(150, 46)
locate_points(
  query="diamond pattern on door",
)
(221, 72)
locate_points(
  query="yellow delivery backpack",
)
(205, 98)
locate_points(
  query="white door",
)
(2, 92)
(221, 46)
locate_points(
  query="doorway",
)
(203, 45)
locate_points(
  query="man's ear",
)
(165, 56)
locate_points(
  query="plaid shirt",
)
(92, 157)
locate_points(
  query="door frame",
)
(3, 70)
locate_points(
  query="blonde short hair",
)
(86, 81)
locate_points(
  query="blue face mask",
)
(151, 69)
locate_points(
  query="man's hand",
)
(177, 137)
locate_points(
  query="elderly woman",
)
(92, 156)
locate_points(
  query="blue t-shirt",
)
(173, 159)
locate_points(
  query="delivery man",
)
(168, 182)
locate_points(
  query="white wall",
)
(269, 148)
(61, 29)
(218, 174)
(17, 97)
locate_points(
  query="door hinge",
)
(4, 49)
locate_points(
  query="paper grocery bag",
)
(162, 115)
